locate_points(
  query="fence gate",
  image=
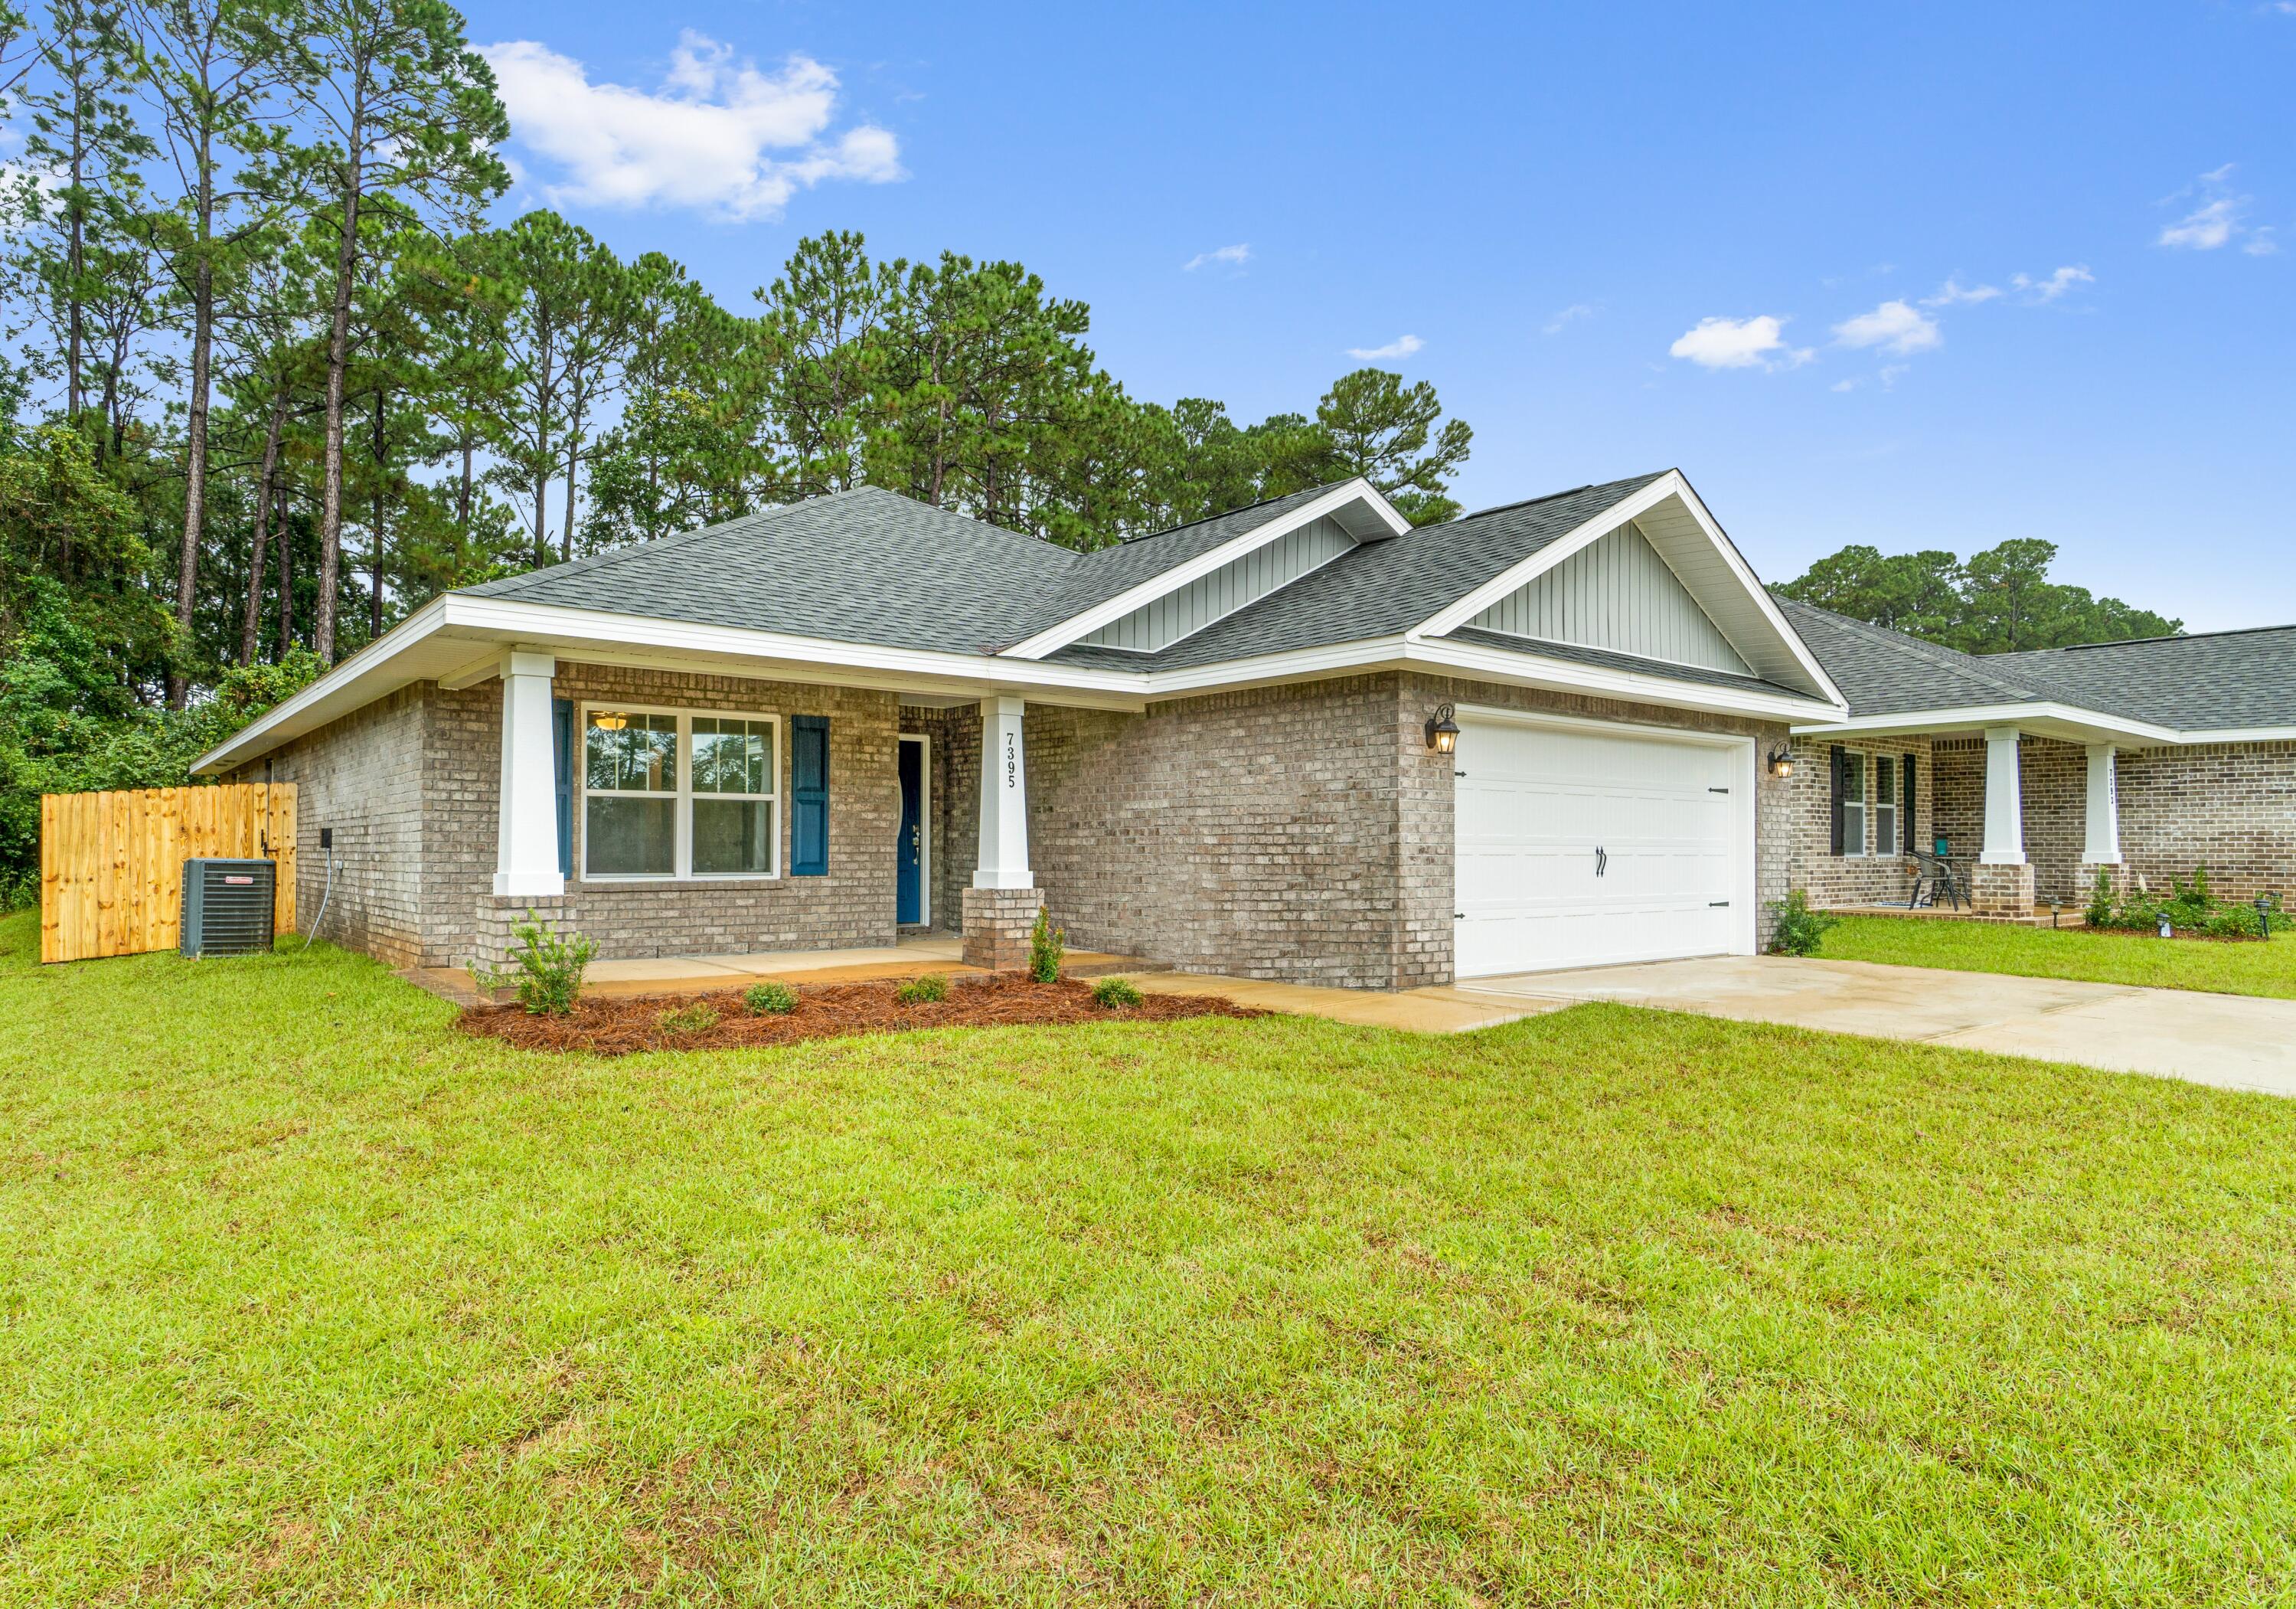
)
(111, 864)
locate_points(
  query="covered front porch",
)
(2001, 822)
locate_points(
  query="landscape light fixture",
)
(1782, 762)
(1443, 732)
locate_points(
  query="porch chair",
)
(1934, 874)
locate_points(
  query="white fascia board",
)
(503, 622)
(1056, 637)
(1503, 665)
(1460, 611)
(1672, 484)
(1475, 663)
(1971, 715)
(364, 677)
(2238, 735)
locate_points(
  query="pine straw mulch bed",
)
(616, 1026)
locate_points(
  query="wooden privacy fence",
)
(111, 864)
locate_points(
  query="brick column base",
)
(2001, 890)
(996, 927)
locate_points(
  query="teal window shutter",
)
(810, 795)
(561, 743)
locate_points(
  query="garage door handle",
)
(1602, 859)
(1716, 904)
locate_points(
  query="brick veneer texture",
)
(1832, 880)
(1302, 832)
(998, 924)
(412, 786)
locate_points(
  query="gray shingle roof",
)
(1114, 569)
(2212, 679)
(1885, 672)
(864, 566)
(1381, 588)
(2222, 679)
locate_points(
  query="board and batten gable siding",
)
(1616, 593)
(1165, 621)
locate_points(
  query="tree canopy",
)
(2000, 601)
(274, 374)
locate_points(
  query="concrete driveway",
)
(2234, 1041)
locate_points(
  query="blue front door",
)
(909, 853)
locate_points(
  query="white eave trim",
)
(2028, 714)
(498, 624)
(2239, 735)
(1054, 638)
(1672, 484)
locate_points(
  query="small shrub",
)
(547, 967)
(1801, 930)
(1115, 993)
(2099, 900)
(1046, 944)
(2232, 922)
(699, 1017)
(931, 989)
(769, 999)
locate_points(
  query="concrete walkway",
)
(2233, 1041)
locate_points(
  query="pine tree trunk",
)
(195, 466)
(286, 583)
(573, 458)
(250, 624)
(339, 361)
(374, 567)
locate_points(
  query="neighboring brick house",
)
(2141, 759)
(1299, 741)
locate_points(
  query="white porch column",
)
(526, 844)
(2101, 846)
(2005, 805)
(1003, 798)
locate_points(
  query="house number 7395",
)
(1012, 759)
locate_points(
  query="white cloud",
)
(2219, 217)
(1894, 327)
(1740, 343)
(1889, 372)
(1402, 345)
(1231, 257)
(720, 136)
(2063, 280)
(1953, 290)
(2206, 227)
(1845, 385)
(1576, 311)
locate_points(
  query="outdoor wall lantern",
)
(1442, 732)
(1782, 762)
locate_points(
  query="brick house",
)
(1299, 741)
(2036, 771)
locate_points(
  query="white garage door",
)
(1585, 846)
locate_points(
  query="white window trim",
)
(1896, 807)
(681, 857)
(1861, 807)
(924, 829)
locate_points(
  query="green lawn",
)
(308, 1298)
(2101, 956)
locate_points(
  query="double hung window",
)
(674, 794)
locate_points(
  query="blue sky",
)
(2030, 266)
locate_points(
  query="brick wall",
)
(852, 905)
(1832, 880)
(360, 776)
(2232, 805)
(1301, 832)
